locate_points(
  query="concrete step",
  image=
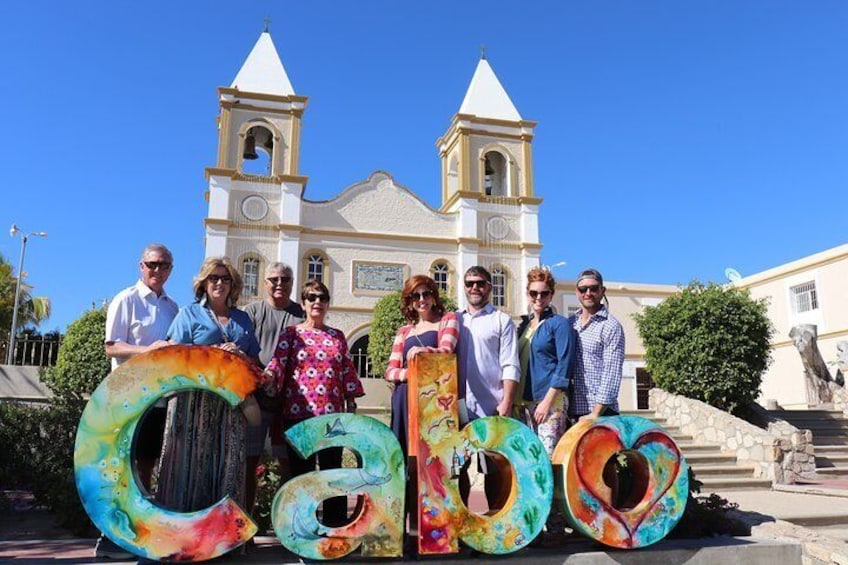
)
(836, 531)
(711, 484)
(828, 450)
(691, 447)
(718, 458)
(831, 460)
(723, 471)
(812, 413)
(830, 441)
(831, 471)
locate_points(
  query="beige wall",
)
(784, 380)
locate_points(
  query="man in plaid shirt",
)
(599, 355)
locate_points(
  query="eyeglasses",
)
(420, 295)
(477, 282)
(534, 294)
(157, 265)
(317, 298)
(215, 279)
(589, 288)
(279, 280)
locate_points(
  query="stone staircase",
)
(830, 436)
(718, 470)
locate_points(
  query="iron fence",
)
(35, 351)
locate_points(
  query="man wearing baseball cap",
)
(600, 352)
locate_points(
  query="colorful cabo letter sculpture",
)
(103, 466)
(440, 450)
(378, 522)
(656, 469)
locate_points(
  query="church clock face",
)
(497, 227)
(254, 208)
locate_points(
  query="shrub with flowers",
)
(268, 482)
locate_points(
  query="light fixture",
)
(13, 231)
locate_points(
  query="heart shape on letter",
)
(656, 470)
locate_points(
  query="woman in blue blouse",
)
(546, 347)
(204, 453)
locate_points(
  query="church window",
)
(499, 287)
(250, 276)
(315, 267)
(494, 179)
(440, 273)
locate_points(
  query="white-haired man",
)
(137, 321)
(270, 316)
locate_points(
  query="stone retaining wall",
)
(840, 397)
(782, 453)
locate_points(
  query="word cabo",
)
(117, 506)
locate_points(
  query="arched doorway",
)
(359, 353)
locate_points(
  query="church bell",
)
(250, 146)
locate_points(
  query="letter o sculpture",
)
(658, 474)
(103, 466)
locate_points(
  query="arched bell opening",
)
(258, 151)
(494, 179)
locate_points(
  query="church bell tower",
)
(255, 187)
(487, 179)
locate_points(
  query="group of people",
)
(548, 371)
(206, 449)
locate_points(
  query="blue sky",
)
(675, 139)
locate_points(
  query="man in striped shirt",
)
(600, 352)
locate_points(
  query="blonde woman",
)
(204, 454)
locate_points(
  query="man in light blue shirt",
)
(488, 369)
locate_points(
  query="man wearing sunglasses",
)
(600, 352)
(270, 317)
(137, 321)
(488, 366)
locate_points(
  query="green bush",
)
(37, 442)
(708, 342)
(387, 319)
(82, 362)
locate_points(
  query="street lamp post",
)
(10, 354)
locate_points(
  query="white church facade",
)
(376, 233)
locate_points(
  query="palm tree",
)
(32, 310)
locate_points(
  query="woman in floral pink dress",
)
(313, 371)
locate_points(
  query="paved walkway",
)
(824, 504)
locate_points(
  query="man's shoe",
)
(107, 549)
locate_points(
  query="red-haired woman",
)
(430, 330)
(545, 348)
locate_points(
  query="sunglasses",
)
(157, 265)
(588, 288)
(478, 283)
(420, 295)
(534, 294)
(215, 279)
(279, 280)
(317, 298)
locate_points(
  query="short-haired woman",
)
(313, 370)
(429, 329)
